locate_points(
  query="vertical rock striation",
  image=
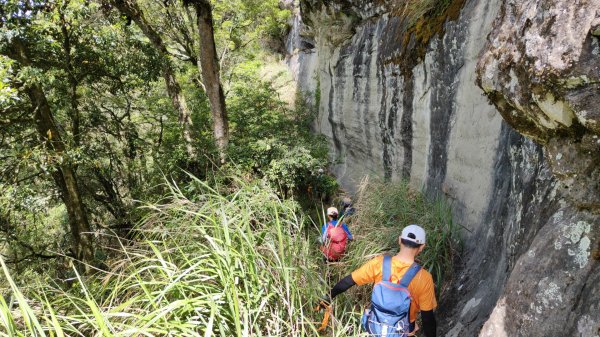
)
(396, 102)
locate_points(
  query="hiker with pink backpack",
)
(402, 290)
(334, 236)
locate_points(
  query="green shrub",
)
(273, 142)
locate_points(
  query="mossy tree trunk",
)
(64, 175)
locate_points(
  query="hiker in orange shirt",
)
(402, 290)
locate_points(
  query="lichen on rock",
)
(578, 244)
(541, 69)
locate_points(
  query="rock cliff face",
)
(399, 98)
(541, 68)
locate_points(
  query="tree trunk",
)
(209, 65)
(185, 118)
(73, 81)
(131, 9)
(64, 176)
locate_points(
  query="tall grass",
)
(208, 263)
(222, 261)
(382, 211)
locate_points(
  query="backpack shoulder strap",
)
(409, 275)
(386, 268)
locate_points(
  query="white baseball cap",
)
(413, 233)
(332, 211)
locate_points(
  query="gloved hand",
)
(324, 302)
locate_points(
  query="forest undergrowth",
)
(227, 260)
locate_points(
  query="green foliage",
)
(216, 261)
(237, 21)
(102, 79)
(317, 94)
(274, 142)
(210, 260)
(93, 73)
(244, 31)
(32, 226)
(284, 166)
(8, 94)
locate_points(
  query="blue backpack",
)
(390, 304)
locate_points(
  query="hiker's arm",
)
(343, 285)
(365, 274)
(347, 230)
(429, 323)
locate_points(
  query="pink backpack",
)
(335, 244)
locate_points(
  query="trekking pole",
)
(325, 322)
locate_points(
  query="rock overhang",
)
(541, 69)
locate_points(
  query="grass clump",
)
(384, 209)
(228, 261)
